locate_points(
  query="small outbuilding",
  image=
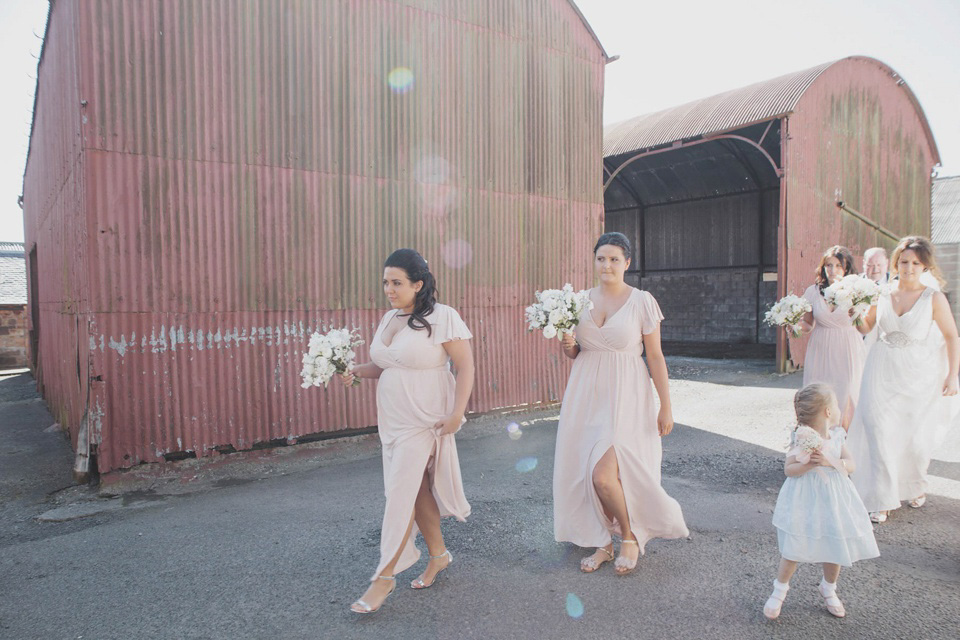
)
(13, 306)
(731, 200)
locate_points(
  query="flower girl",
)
(819, 515)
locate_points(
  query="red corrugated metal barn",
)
(732, 199)
(208, 182)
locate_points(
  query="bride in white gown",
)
(903, 413)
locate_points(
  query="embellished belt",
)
(897, 339)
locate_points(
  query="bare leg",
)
(427, 515)
(788, 568)
(606, 481)
(831, 572)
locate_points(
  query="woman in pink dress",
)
(606, 478)
(420, 405)
(835, 351)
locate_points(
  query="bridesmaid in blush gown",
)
(835, 352)
(903, 413)
(420, 406)
(606, 478)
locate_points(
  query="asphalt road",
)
(278, 548)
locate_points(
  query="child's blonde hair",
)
(811, 400)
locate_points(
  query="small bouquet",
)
(787, 313)
(806, 440)
(853, 292)
(329, 354)
(557, 311)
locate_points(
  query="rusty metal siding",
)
(246, 168)
(858, 135)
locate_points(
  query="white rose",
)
(549, 332)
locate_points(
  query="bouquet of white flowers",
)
(806, 440)
(787, 313)
(853, 292)
(329, 354)
(557, 311)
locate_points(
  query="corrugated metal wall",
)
(247, 167)
(856, 135)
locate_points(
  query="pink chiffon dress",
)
(835, 351)
(609, 402)
(414, 392)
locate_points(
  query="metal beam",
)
(862, 218)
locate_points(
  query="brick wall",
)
(948, 259)
(13, 336)
(711, 305)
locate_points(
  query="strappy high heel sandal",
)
(420, 584)
(362, 607)
(623, 566)
(772, 607)
(830, 599)
(591, 564)
(919, 501)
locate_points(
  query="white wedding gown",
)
(902, 414)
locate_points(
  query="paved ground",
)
(278, 546)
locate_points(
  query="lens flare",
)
(526, 465)
(514, 431)
(574, 606)
(400, 79)
(457, 253)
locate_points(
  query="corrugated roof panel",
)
(724, 111)
(945, 214)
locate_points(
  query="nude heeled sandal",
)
(420, 584)
(590, 564)
(622, 566)
(362, 607)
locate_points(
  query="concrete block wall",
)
(711, 305)
(13, 336)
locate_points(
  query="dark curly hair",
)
(417, 271)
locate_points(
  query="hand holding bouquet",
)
(806, 441)
(329, 354)
(557, 311)
(787, 313)
(853, 294)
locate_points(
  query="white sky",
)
(671, 52)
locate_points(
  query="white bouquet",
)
(557, 311)
(853, 292)
(329, 354)
(787, 313)
(806, 440)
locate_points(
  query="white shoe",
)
(919, 501)
(772, 607)
(829, 592)
(878, 516)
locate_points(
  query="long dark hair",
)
(417, 271)
(846, 261)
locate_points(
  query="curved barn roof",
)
(733, 109)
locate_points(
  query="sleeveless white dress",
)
(902, 414)
(819, 516)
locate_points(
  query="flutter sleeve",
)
(650, 314)
(447, 325)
